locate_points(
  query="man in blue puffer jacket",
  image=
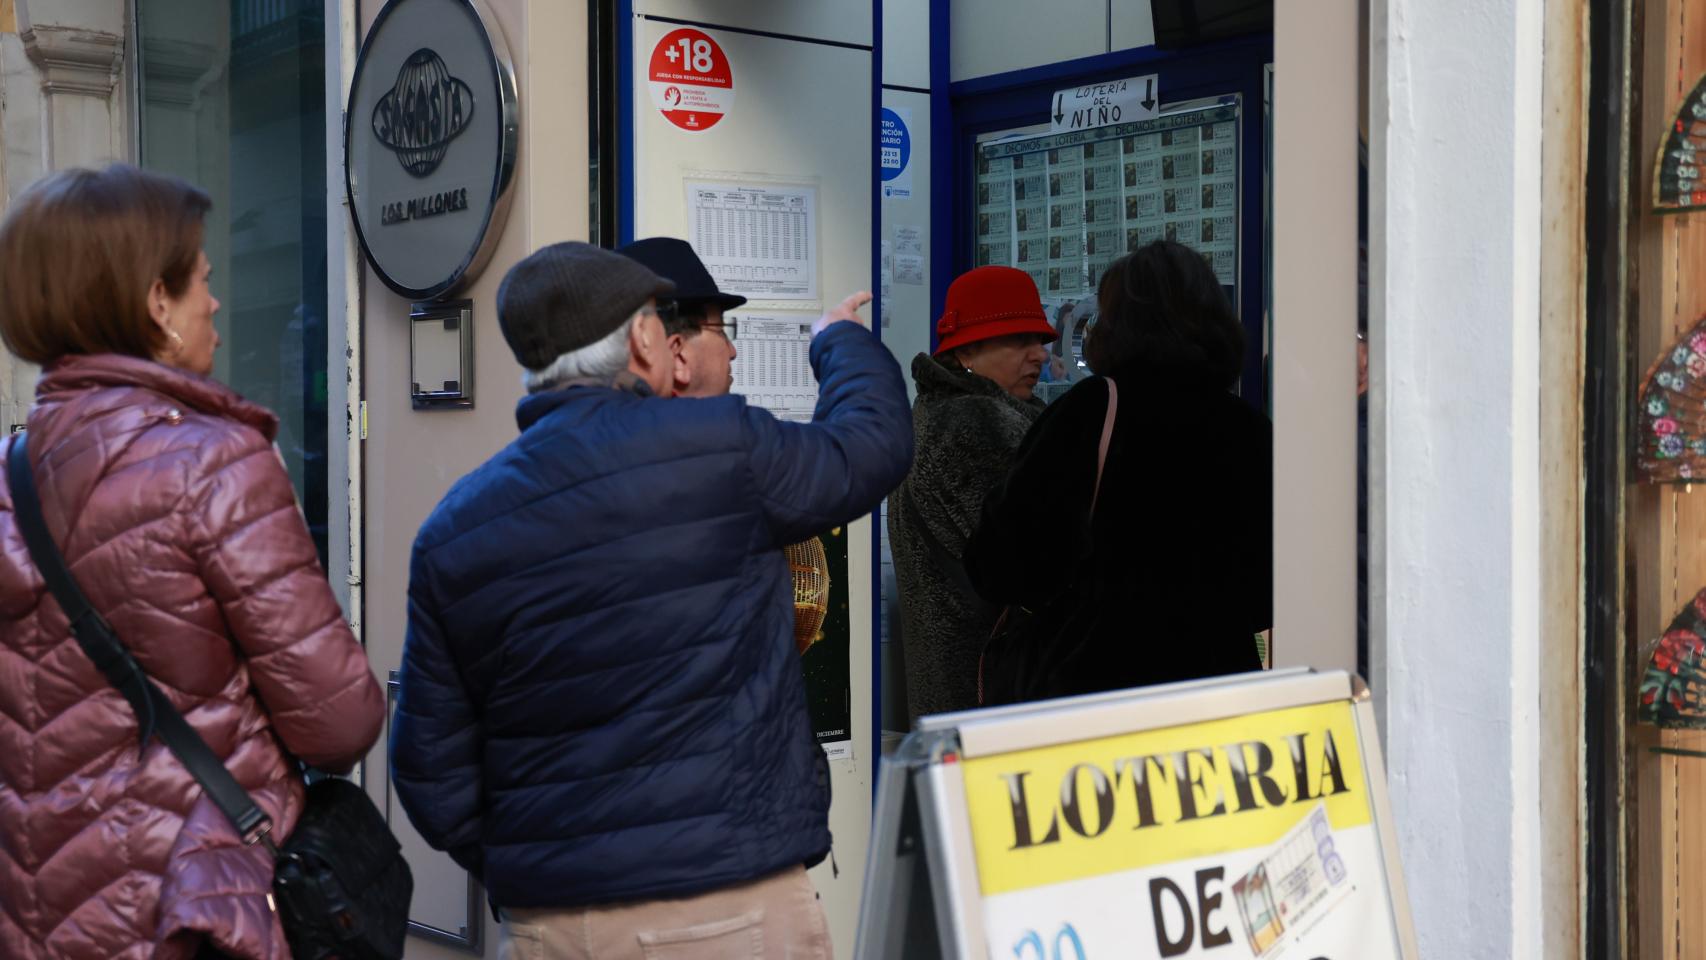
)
(601, 711)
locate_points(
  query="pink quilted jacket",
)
(164, 493)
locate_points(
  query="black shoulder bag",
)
(340, 883)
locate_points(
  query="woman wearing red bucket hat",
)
(974, 405)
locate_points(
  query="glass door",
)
(232, 98)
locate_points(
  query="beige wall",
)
(1314, 333)
(411, 457)
(1563, 330)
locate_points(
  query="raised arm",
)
(818, 475)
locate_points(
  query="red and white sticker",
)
(692, 83)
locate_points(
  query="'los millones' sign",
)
(430, 144)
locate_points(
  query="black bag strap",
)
(1106, 441)
(953, 567)
(154, 712)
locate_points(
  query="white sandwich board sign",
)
(1240, 817)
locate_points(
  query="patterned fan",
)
(1677, 186)
(1673, 690)
(1670, 423)
(811, 590)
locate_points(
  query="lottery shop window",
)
(1063, 206)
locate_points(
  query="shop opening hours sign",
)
(691, 80)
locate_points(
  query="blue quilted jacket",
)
(601, 699)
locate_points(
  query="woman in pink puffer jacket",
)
(172, 508)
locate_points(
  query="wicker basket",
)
(810, 568)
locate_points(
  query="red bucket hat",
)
(991, 302)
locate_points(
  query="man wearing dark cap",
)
(601, 713)
(704, 343)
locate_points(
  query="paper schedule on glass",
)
(757, 239)
(773, 367)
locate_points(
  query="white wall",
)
(836, 20)
(1456, 216)
(995, 36)
(908, 321)
(1130, 25)
(906, 43)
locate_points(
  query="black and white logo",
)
(424, 111)
(430, 144)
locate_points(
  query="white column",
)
(78, 47)
(62, 104)
(1455, 273)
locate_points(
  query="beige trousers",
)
(778, 917)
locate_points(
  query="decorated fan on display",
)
(1677, 185)
(1670, 421)
(810, 568)
(1673, 690)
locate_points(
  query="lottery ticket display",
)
(1063, 206)
(1301, 879)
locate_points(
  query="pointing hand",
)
(845, 311)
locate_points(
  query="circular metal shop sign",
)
(430, 144)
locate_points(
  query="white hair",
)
(598, 362)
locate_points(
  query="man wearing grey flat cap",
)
(601, 711)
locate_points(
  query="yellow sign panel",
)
(1135, 800)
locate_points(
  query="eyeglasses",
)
(670, 313)
(728, 328)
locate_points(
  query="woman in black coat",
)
(1172, 577)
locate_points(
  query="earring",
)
(177, 341)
